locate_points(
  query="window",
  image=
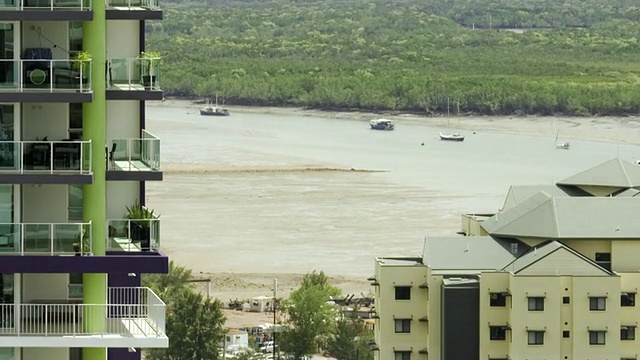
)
(566, 300)
(403, 292)
(628, 299)
(403, 325)
(597, 337)
(535, 337)
(604, 260)
(75, 38)
(536, 303)
(76, 198)
(75, 354)
(498, 299)
(75, 286)
(627, 333)
(75, 121)
(497, 332)
(597, 303)
(402, 355)
(566, 334)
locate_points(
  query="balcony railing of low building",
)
(130, 74)
(45, 238)
(134, 4)
(133, 235)
(69, 5)
(131, 312)
(135, 154)
(50, 157)
(39, 74)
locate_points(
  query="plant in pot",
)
(149, 62)
(82, 246)
(140, 219)
(80, 65)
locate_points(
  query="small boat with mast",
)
(561, 144)
(214, 110)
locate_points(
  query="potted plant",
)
(82, 246)
(149, 61)
(140, 224)
(80, 64)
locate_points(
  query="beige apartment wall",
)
(493, 316)
(389, 309)
(471, 225)
(599, 190)
(630, 282)
(624, 255)
(589, 247)
(585, 319)
(435, 315)
(548, 320)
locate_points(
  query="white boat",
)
(561, 144)
(382, 124)
(637, 162)
(451, 137)
(214, 110)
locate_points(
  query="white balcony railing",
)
(45, 239)
(135, 154)
(44, 75)
(131, 313)
(132, 235)
(79, 5)
(134, 73)
(51, 157)
(134, 4)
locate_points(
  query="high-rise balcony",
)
(134, 79)
(134, 235)
(39, 79)
(134, 10)
(45, 239)
(45, 162)
(134, 159)
(67, 10)
(134, 317)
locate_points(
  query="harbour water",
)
(237, 198)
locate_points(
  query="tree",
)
(195, 327)
(166, 285)
(349, 340)
(310, 317)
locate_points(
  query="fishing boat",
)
(451, 137)
(382, 124)
(214, 110)
(561, 144)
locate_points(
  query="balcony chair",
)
(109, 156)
(37, 66)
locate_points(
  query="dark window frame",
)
(404, 328)
(628, 299)
(595, 305)
(497, 299)
(596, 339)
(535, 303)
(627, 333)
(497, 333)
(537, 335)
(402, 355)
(403, 292)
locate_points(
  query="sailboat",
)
(561, 144)
(451, 136)
(214, 110)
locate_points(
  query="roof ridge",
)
(624, 170)
(555, 216)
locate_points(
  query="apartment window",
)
(566, 300)
(627, 333)
(403, 325)
(597, 303)
(75, 201)
(75, 354)
(536, 303)
(597, 337)
(403, 292)
(498, 299)
(535, 337)
(628, 299)
(497, 332)
(566, 334)
(75, 121)
(75, 290)
(604, 260)
(75, 37)
(402, 355)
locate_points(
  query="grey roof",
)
(467, 253)
(520, 193)
(544, 216)
(544, 250)
(613, 173)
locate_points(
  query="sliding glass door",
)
(8, 55)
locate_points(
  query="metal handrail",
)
(134, 72)
(48, 74)
(123, 235)
(82, 5)
(134, 4)
(54, 245)
(45, 156)
(145, 149)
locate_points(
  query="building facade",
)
(552, 275)
(75, 235)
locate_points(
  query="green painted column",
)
(94, 128)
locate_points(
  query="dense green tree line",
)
(410, 55)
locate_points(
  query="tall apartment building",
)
(553, 275)
(74, 158)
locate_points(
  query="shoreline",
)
(612, 129)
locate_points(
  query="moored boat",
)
(451, 137)
(214, 111)
(382, 124)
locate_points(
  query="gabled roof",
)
(544, 216)
(554, 258)
(616, 173)
(467, 253)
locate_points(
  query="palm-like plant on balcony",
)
(140, 224)
(150, 60)
(80, 64)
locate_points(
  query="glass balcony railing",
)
(45, 75)
(132, 235)
(51, 157)
(134, 74)
(135, 154)
(45, 239)
(69, 5)
(134, 4)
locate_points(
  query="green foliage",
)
(321, 280)
(541, 57)
(349, 340)
(139, 212)
(167, 285)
